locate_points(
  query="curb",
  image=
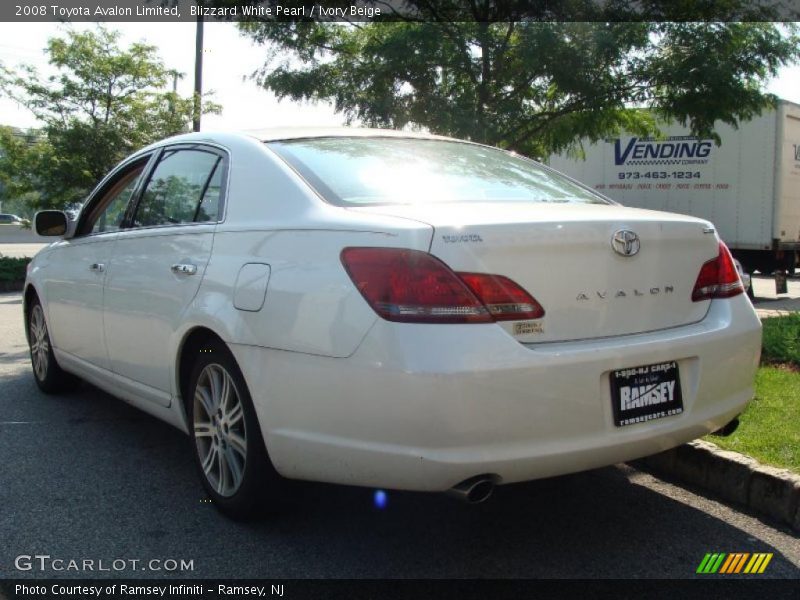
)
(733, 477)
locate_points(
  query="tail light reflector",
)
(718, 278)
(505, 299)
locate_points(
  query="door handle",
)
(97, 267)
(184, 268)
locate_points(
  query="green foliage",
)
(781, 339)
(22, 205)
(769, 428)
(104, 103)
(13, 269)
(533, 87)
(22, 153)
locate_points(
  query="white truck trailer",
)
(748, 186)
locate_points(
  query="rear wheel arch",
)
(259, 487)
(193, 342)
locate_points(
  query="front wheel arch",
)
(29, 295)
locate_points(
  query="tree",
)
(19, 150)
(104, 103)
(533, 87)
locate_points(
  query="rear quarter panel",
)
(274, 218)
(311, 304)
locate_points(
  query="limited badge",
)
(528, 327)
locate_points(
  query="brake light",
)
(505, 299)
(412, 286)
(718, 278)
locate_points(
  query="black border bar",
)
(706, 587)
(72, 11)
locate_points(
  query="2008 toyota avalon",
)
(387, 309)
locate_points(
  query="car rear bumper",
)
(425, 407)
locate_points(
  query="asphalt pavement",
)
(770, 304)
(86, 477)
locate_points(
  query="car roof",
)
(294, 133)
(230, 139)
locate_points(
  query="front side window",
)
(355, 171)
(108, 213)
(185, 187)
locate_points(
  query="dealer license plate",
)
(640, 394)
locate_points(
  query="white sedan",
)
(387, 309)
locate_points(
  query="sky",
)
(229, 60)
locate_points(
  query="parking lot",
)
(87, 477)
(770, 304)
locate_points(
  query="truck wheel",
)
(791, 264)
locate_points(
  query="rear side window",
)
(209, 204)
(366, 171)
(185, 187)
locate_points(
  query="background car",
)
(9, 219)
(388, 309)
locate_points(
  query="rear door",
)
(159, 261)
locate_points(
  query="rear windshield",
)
(368, 171)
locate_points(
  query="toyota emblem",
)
(625, 242)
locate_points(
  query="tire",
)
(228, 448)
(49, 376)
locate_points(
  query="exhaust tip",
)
(473, 490)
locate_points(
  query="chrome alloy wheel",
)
(40, 343)
(219, 430)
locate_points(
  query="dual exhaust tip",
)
(473, 490)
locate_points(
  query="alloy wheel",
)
(40, 343)
(219, 430)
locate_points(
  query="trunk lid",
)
(563, 255)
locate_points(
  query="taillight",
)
(412, 287)
(718, 278)
(505, 299)
(415, 287)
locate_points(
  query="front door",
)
(77, 270)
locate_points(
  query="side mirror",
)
(50, 223)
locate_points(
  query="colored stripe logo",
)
(734, 563)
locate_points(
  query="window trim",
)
(220, 151)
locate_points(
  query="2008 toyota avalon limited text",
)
(387, 309)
